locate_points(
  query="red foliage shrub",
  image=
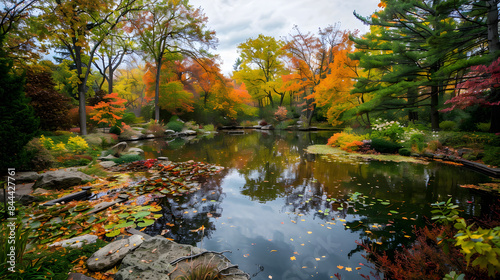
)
(50, 106)
(262, 123)
(425, 259)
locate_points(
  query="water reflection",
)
(292, 216)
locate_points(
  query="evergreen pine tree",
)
(18, 124)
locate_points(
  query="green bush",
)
(484, 127)
(384, 146)
(176, 126)
(115, 130)
(492, 156)
(447, 125)
(405, 152)
(129, 118)
(127, 159)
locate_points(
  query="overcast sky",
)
(235, 21)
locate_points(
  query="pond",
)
(287, 215)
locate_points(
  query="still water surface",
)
(286, 215)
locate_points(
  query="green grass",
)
(59, 260)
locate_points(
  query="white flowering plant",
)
(390, 130)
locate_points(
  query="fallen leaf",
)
(348, 269)
(309, 232)
(340, 267)
(293, 258)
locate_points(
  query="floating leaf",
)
(394, 212)
(141, 214)
(145, 223)
(113, 233)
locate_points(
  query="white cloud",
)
(235, 21)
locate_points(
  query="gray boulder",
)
(109, 255)
(108, 157)
(189, 132)
(26, 176)
(107, 164)
(61, 179)
(76, 242)
(79, 276)
(134, 151)
(117, 149)
(169, 132)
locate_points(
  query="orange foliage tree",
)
(310, 59)
(109, 112)
(173, 96)
(333, 91)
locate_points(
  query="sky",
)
(235, 21)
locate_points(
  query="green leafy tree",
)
(169, 27)
(80, 27)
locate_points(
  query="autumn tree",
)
(334, 90)
(205, 76)
(310, 57)
(18, 27)
(261, 67)
(111, 54)
(170, 27)
(480, 88)
(110, 111)
(130, 86)
(80, 27)
(172, 94)
(51, 107)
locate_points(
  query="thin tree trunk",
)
(434, 108)
(157, 90)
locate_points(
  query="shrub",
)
(155, 128)
(37, 157)
(47, 143)
(74, 160)
(281, 113)
(484, 127)
(127, 159)
(192, 125)
(346, 141)
(447, 125)
(492, 156)
(405, 152)
(115, 130)
(390, 130)
(262, 123)
(129, 118)
(176, 126)
(434, 145)
(385, 146)
(209, 127)
(417, 140)
(77, 144)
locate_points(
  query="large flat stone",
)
(108, 256)
(61, 179)
(76, 242)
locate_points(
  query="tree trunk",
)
(412, 97)
(110, 77)
(434, 108)
(157, 90)
(82, 112)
